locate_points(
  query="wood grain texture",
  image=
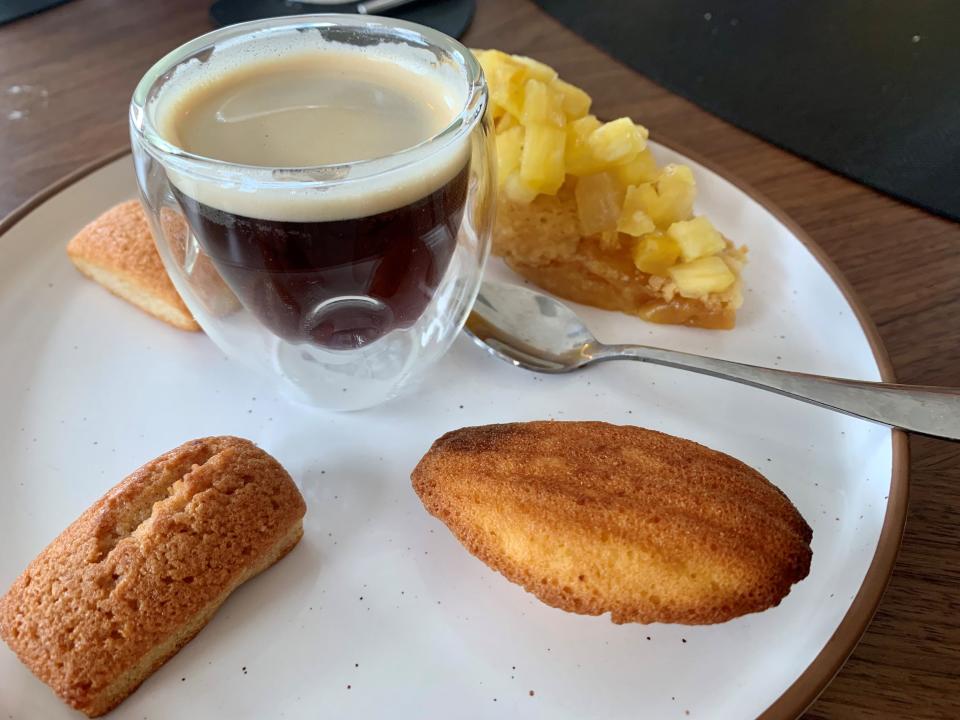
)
(904, 264)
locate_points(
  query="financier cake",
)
(138, 574)
(117, 251)
(595, 518)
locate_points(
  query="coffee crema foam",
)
(283, 104)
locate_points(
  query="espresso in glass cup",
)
(320, 190)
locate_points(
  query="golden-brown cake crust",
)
(117, 250)
(143, 569)
(594, 518)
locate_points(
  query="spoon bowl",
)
(529, 329)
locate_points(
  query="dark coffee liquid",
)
(338, 284)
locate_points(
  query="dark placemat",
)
(452, 17)
(11, 10)
(869, 89)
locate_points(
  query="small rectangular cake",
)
(117, 251)
(138, 574)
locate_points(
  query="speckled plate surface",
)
(379, 612)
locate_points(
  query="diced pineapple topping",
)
(633, 216)
(616, 142)
(517, 190)
(541, 162)
(542, 105)
(505, 122)
(509, 148)
(576, 103)
(580, 160)
(643, 168)
(581, 128)
(655, 253)
(535, 69)
(505, 79)
(673, 198)
(546, 139)
(698, 278)
(697, 238)
(599, 199)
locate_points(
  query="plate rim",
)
(804, 691)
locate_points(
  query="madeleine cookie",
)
(595, 518)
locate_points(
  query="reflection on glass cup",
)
(320, 188)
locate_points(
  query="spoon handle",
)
(373, 7)
(922, 409)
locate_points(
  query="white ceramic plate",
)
(380, 612)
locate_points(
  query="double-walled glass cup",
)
(343, 283)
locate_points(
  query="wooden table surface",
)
(86, 56)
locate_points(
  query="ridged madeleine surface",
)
(595, 518)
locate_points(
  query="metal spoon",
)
(367, 7)
(533, 331)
